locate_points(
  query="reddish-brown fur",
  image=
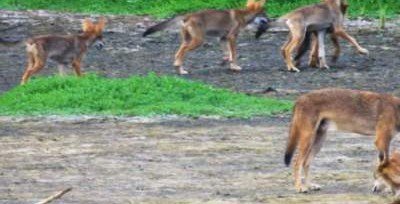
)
(65, 50)
(225, 24)
(313, 59)
(314, 18)
(362, 112)
(387, 174)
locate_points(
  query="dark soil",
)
(127, 53)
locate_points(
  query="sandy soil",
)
(181, 160)
(173, 161)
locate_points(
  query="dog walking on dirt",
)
(311, 40)
(225, 24)
(64, 50)
(361, 112)
(321, 18)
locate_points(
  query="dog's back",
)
(348, 110)
(59, 48)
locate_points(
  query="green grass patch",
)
(166, 8)
(135, 96)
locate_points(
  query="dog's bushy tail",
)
(293, 138)
(163, 25)
(304, 47)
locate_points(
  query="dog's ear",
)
(250, 4)
(87, 25)
(253, 5)
(100, 25)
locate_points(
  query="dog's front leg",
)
(321, 49)
(232, 48)
(61, 70)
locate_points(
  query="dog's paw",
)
(181, 71)
(235, 67)
(314, 187)
(302, 189)
(293, 69)
(324, 66)
(363, 51)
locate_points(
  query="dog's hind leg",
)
(337, 51)
(36, 61)
(298, 34)
(313, 58)
(29, 64)
(225, 50)
(284, 47)
(321, 49)
(232, 48)
(306, 142)
(320, 138)
(304, 47)
(186, 38)
(340, 32)
(192, 38)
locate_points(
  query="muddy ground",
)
(181, 160)
(127, 53)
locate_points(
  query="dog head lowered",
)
(387, 175)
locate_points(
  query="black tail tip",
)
(146, 33)
(288, 159)
(149, 31)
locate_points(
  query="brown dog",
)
(361, 112)
(311, 38)
(225, 24)
(64, 50)
(387, 175)
(319, 18)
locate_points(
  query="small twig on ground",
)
(54, 197)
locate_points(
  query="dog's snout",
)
(99, 45)
(261, 20)
(375, 189)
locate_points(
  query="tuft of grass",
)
(167, 8)
(134, 96)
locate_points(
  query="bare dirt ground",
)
(173, 161)
(180, 160)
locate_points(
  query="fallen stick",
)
(55, 196)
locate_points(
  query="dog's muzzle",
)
(99, 45)
(262, 26)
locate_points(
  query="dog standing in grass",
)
(361, 112)
(225, 24)
(64, 50)
(316, 18)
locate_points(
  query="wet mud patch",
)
(174, 160)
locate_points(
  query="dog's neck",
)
(247, 16)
